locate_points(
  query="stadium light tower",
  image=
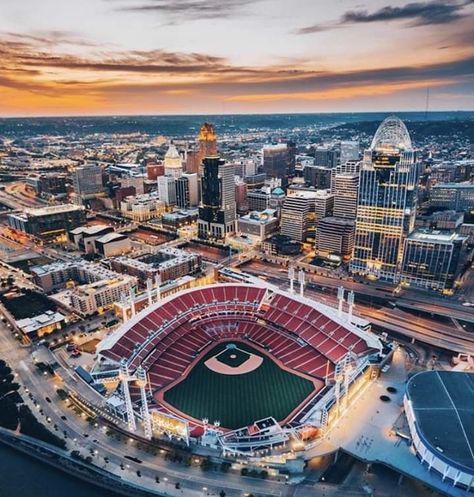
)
(291, 276)
(340, 297)
(301, 281)
(142, 382)
(350, 301)
(124, 377)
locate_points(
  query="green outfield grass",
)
(238, 400)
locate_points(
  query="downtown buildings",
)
(433, 259)
(217, 212)
(386, 203)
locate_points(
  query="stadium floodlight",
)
(340, 297)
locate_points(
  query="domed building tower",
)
(386, 202)
(173, 163)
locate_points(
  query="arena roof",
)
(443, 404)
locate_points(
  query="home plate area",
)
(233, 360)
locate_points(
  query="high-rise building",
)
(241, 196)
(335, 236)
(87, 181)
(217, 213)
(317, 204)
(279, 162)
(345, 190)
(386, 202)
(455, 196)
(173, 163)
(318, 176)
(207, 147)
(349, 151)
(187, 194)
(167, 189)
(326, 157)
(433, 259)
(294, 217)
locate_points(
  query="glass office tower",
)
(386, 202)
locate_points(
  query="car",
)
(48, 400)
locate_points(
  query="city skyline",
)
(201, 56)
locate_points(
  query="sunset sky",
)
(96, 57)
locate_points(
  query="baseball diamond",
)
(237, 400)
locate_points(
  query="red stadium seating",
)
(170, 337)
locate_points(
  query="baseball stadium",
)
(237, 366)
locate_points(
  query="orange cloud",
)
(342, 93)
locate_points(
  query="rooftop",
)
(111, 237)
(434, 236)
(90, 230)
(454, 185)
(53, 209)
(443, 404)
(31, 325)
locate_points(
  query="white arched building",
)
(439, 406)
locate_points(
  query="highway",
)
(430, 331)
(427, 302)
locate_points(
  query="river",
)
(24, 476)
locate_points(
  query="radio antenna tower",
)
(427, 103)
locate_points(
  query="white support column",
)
(340, 297)
(124, 378)
(301, 281)
(291, 276)
(149, 288)
(142, 381)
(350, 301)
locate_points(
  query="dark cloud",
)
(189, 9)
(416, 13)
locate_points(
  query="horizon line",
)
(55, 116)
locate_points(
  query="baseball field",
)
(236, 385)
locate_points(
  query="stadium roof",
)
(443, 404)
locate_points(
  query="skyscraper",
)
(217, 213)
(187, 195)
(87, 181)
(167, 189)
(207, 147)
(173, 163)
(345, 190)
(349, 151)
(386, 203)
(279, 161)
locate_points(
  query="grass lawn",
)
(238, 400)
